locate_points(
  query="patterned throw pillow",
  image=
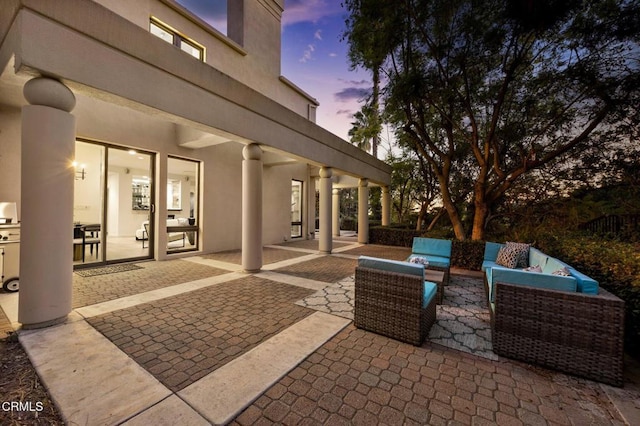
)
(536, 268)
(563, 272)
(507, 257)
(420, 260)
(523, 253)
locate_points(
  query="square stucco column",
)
(325, 244)
(386, 206)
(47, 181)
(363, 211)
(252, 208)
(335, 213)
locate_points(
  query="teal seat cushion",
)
(531, 279)
(439, 261)
(488, 264)
(585, 284)
(431, 246)
(430, 290)
(391, 265)
(489, 273)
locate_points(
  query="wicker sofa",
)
(436, 251)
(393, 299)
(565, 323)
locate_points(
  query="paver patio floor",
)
(269, 255)
(356, 377)
(328, 269)
(152, 276)
(366, 379)
(183, 338)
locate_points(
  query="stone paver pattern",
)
(182, 338)
(312, 244)
(336, 299)
(153, 275)
(329, 269)
(462, 322)
(360, 378)
(269, 255)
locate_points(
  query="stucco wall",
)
(255, 63)
(277, 200)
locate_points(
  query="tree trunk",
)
(375, 101)
(479, 219)
(435, 220)
(421, 215)
(454, 217)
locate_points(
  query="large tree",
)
(492, 90)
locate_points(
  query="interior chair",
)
(171, 237)
(90, 237)
(176, 236)
(145, 234)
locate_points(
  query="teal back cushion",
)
(434, 246)
(536, 257)
(392, 266)
(491, 250)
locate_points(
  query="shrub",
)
(392, 236)
(614, 264)
(349, 224)
(467, 254)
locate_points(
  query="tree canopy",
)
(488, 91)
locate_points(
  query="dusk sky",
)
(313, 57)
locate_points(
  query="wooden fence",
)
(614, 224)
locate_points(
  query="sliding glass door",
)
(183, 194)
(296, 209)
(112, 206)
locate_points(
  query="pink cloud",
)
(309, 10)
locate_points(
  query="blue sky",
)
(313, 57)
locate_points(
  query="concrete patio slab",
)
(289, 262)
(169, 412)
(289, 279)
(221, 395)
(89, 378)
(215, 263)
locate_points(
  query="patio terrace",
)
(196, 341)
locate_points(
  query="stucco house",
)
(169, 137)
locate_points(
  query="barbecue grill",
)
(9, 247)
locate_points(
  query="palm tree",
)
(365, 130)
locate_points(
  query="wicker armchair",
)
(392, 304)
(576, 333)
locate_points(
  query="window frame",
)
(178, 38)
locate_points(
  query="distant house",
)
(173, 138)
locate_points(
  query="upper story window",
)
(169, 35)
